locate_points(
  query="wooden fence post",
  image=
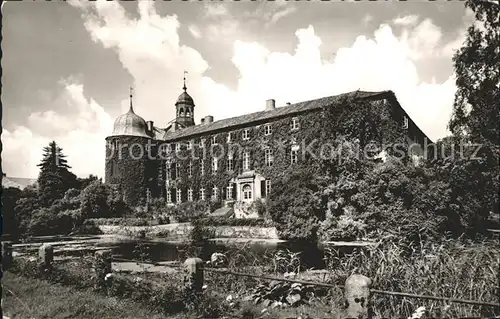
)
(194, 275)
(46, 256)
(102, 267)
(6, 254)
(357, 297)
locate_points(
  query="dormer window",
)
(295, 123)
(246, 134)
(405, 122)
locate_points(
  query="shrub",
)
(296, 205)
(188, 210)
(100, 200)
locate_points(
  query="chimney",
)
(209, 119)
(150, 126)
(270, 105)
(202, 120)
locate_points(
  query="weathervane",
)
(184, 87)
(130, 96)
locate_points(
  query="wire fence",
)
(324, 284)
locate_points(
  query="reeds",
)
(450, 269)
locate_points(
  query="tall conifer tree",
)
(54, 178)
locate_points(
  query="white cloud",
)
(150, 49)
(81, 135)
(406, 20)
(195, 31)
(215, 9)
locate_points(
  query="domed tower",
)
(128, 165)
(184, 108)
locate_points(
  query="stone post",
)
(46, 256)
(102, 266)
(6, 254)
(194, 275)
(357, 297)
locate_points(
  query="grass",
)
(450, 268)
(33, 298)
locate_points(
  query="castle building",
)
(231, 160)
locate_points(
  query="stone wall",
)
(182, 231)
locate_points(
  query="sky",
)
(67, 66)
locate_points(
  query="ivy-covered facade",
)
(232, 160)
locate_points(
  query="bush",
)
(99, 200)
(188, 211)
(296, 205)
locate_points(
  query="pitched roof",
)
(271, 114)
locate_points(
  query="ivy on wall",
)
(366, 121)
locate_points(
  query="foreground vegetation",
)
(34, 298)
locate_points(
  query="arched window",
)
(188, 112)
(247, 192)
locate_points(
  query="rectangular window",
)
(168, 170)
(214, 165)
(268, 157)
(190, 169)
(202, 142)
(177, 147)
(230, 162)
(268, 129)
(169, 196)
(229, 192)
(202, 168)
(179, 196)
(214, 140)
(268, 187)
(295, 123)
(294, 154)
(246, 134)
(215, 193)
(114, 169)
(190, 195)
(190, 145)
(246, 160)
(163, 149)
(229, 137)
(177, 170)
(202, 193)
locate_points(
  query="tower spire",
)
(184, 87)
(130, 97)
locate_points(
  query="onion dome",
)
(130, 124)
(185, 98)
